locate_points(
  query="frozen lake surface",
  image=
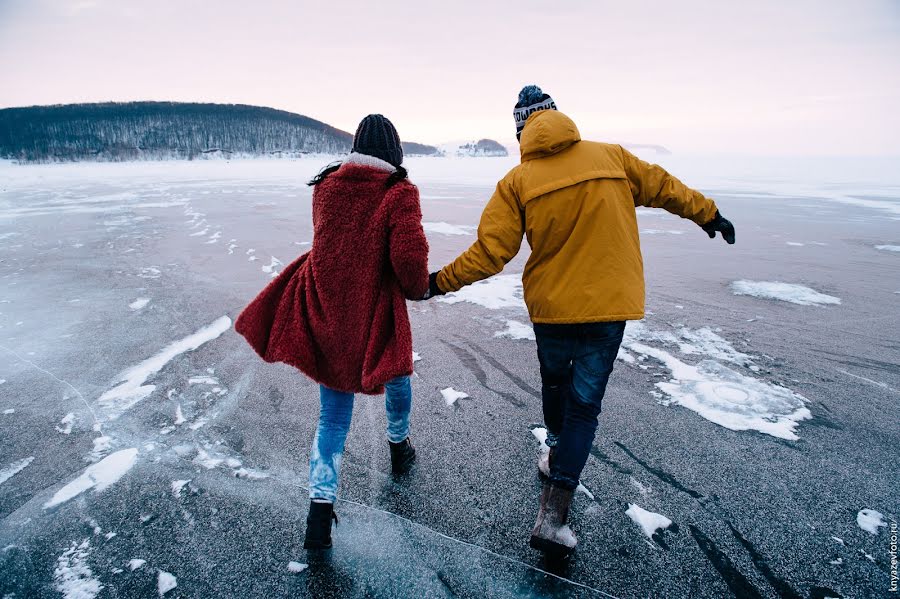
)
(747, 444)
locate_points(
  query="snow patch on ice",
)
(296, 567)
(624, 356)
(870, 520)
(498, 292)
(649, 522)
(729, 398)
(9, 411)
(416, 357)
(165, 583)
(178, 485)
(582, 489)
(888, 248)
(207, 461)
(72, 576)
(66, 423)
(785, 292)
(140, 303)
(131, 388)
(451, 395)
(705, 341)
(134, 564)
(516, 330)
(794, 243)
(273, 264)
(102, 444)
(13, 469)
(448, 229)
(97, 476)
(540, 433)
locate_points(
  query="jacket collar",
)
(366, 160)
(547, 132)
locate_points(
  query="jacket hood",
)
(547, 132)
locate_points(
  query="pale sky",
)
(804, 77)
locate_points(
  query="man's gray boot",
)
(551, 534)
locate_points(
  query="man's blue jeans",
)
(576, 361)
(334, 423)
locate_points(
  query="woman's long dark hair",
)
(324, 173)
(398, 175)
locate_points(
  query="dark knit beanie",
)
(531, 100)
(376, 136)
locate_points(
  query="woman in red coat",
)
(338, 313)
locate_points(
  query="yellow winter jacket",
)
(575, 202)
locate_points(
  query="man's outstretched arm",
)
(499, 239)
(653, 187)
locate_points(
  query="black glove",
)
(722, 225)
(433, 288)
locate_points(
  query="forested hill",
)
(166, 130)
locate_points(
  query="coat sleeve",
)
(653, 187)
(407, 243)
(499, 239)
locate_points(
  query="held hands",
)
(433, 288)
(722, 225)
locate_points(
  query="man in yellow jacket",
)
(575, 202)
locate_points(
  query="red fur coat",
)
(338, 312)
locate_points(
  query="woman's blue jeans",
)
(334, 423)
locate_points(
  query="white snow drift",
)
(870, 520)
(165, 583)
(65, 425)
(785, 292)
(14, 468)
(501, 291)
(139, 303)
(131, 388)
(72, 576)
(97, 476)
(649, 522)
(516, 330)
(451, 395)
(728, 398)
(134, 564)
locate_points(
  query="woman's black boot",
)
(403, 454)
(318, 525)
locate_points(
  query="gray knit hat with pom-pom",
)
(531, 99)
